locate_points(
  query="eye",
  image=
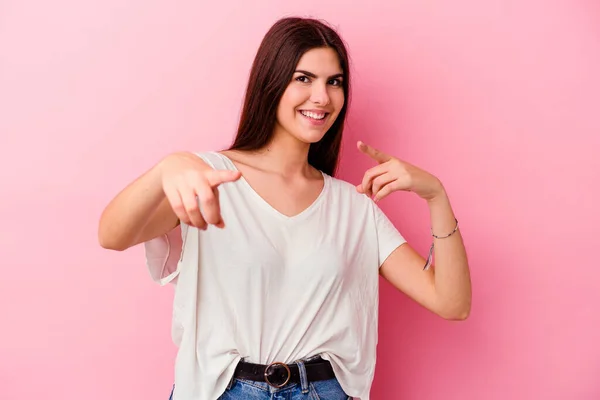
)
(335, 82)
(303, 79)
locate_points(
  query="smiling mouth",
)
(315, 116)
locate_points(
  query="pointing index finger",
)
(375, 154)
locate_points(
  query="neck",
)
(287, 155)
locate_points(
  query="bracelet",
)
(430, 256)
(448, 235)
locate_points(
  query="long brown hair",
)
(272, 70)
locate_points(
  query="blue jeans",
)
(241, 389)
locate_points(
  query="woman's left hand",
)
(392, 174)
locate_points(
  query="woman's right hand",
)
(191, 187)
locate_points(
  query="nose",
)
(319, 94)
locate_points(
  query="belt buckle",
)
(289, 374)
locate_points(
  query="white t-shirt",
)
(274, 288)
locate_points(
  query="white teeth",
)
(312, 115)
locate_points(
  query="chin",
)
(303, 133)
(310, 137)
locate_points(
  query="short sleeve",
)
(388, 236)
(163, 254)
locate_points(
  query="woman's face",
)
(314, 98)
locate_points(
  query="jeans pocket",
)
(327, 390)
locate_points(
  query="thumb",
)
(375, 154)
(216, 177)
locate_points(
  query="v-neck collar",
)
(265, 204)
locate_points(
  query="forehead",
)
(320, 61)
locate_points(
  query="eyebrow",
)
(310, 74)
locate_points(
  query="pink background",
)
(500, 99)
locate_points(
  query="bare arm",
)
(169, 192)
(452, 276)
(445, 289)
(138, 213)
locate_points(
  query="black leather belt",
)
(279, 374)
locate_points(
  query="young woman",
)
(275, 261)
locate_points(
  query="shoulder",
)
(342, 185)
(215, 159)
(207, 155)
(344, 191)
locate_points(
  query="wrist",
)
(163, 164)
(438, 195)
